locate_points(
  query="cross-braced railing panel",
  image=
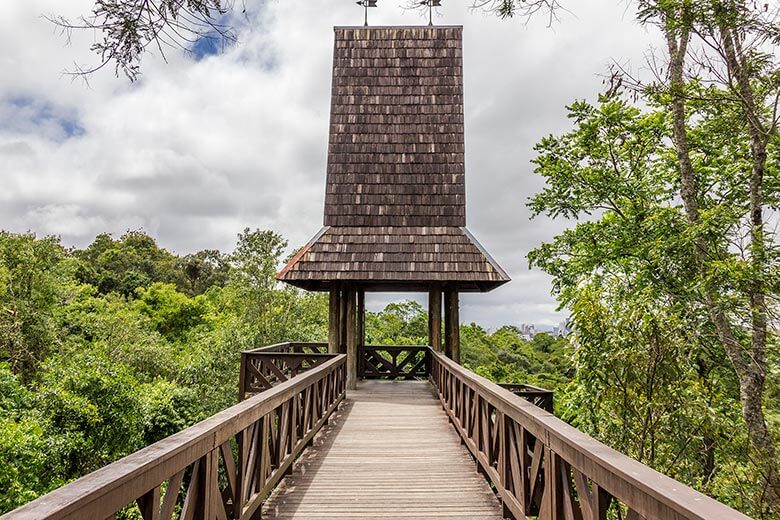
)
(543, 467)
(266, 367)
(393, 362)
(221, 468)
(541, 397)
(264, 370)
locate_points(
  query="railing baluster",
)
(213, 506)
(149, 504)
(171, 495)
(193, 495)
(525, 468)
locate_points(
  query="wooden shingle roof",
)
(383, 257)
(395, 206)
(395, 156)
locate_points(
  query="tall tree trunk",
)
(750, 369)
(753, 379)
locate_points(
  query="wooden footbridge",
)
(453, 445)
(315, 435)
(389, 452)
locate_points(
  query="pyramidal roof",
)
(395, 201)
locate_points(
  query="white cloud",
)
(197, 150)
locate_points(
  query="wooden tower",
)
(395, 202)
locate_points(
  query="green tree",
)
(203, 270)
(31, 282)
(168, 408)
(23, 445)
(134, 260)
(172, 313)
(93, 408)
(634, 257)
(404, 323)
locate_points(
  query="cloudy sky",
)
(201, 147)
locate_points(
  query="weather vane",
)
(431, 4)
(366, 4)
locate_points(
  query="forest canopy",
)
(107, 349)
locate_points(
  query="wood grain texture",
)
(394, 255)
(434, 318)
(396, 149)
(389, 452)
(395, 198)
(452, 323)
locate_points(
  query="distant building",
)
(527, 332)
(563, 329)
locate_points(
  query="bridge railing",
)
(541, 397)
(266, 367)
(394, 361)
(223, 467)
(541, 466)
(295, 347)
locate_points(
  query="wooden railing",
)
(541, 397)
(221, 468)
(541, 466)
(266, 367)
(293, 347)
(394, 362)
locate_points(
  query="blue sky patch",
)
(205, 46)
(28, 114)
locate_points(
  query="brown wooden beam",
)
(351, 337)
(452, 324)
(434, 318)
(343, 322)
(361, 317)
(334, 321)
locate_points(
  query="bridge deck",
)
(389, 452)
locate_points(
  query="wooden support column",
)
(434, 318)
(451, 324)
(343, 322)
(351, 337)
(361, 317)
(334, 321)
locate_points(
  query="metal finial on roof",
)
(366, 4)
(431, 4)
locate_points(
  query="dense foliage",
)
(502, 355)
(107, 349)
(671, 273)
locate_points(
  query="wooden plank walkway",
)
(389, 452)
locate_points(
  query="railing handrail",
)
(317, 355)
(121, 482)
(602, 464)
(277, 347)
(396, 347)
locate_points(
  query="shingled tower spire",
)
(395, 206)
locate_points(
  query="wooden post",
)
(434, 318)
(451, 324)
(343, 322)
(351, 337)
(361, 317)
(242, 378)
(334, 321)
